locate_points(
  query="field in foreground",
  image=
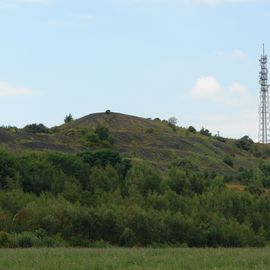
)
(123, 259)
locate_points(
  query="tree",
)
(192, 129)
(68, 118)
(173, 121)
(244, 143)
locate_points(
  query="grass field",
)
(123, 259)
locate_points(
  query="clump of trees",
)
(100, 198)
(36, 128)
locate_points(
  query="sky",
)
(196, 60)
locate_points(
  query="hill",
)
(167, 186)
(142, 140)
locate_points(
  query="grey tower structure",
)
(264, 124)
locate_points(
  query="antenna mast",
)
(264, 124)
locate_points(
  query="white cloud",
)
(205, 87)
(237, 88)
(235, 113)
(8, 90)
(240, 124)
(209, 88)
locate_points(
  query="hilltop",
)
(142, 140)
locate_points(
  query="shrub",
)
(192, 129)
(36, 128)
(26, 240)
(92, 137)
(205, 132)
(108, 112)
(244, 143)
(53, 241)
(127, 238)
(79, 241)
(4, 239)
(102, 132)
(100, 244)
(228, 160)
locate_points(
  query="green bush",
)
(36, 128)
(205, 132)
(128, 238)
(228, 160)
(245, 143)
(192, 129)
(92, 137)
(5, 239)
(27, 240)
(79, 241)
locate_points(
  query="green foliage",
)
(68, 118)
(5, 239)
(102, 132)
(228, 160)
(99, 136)
(26, 240)
(244, 143)
(221, 139)
(92, 137)
(101, 158)
(127, 238)
(36, 128)
(192, 129)
(205, 132)
(100, 197)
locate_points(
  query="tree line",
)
(100, 198)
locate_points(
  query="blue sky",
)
(193, 59)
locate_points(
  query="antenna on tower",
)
(264, 120)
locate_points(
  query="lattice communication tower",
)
(264, 124)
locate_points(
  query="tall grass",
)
(135, 258)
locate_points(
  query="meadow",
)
(135, 258)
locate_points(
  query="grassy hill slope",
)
(140, 139)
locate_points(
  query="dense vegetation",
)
(113, 179)
(90, 198)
